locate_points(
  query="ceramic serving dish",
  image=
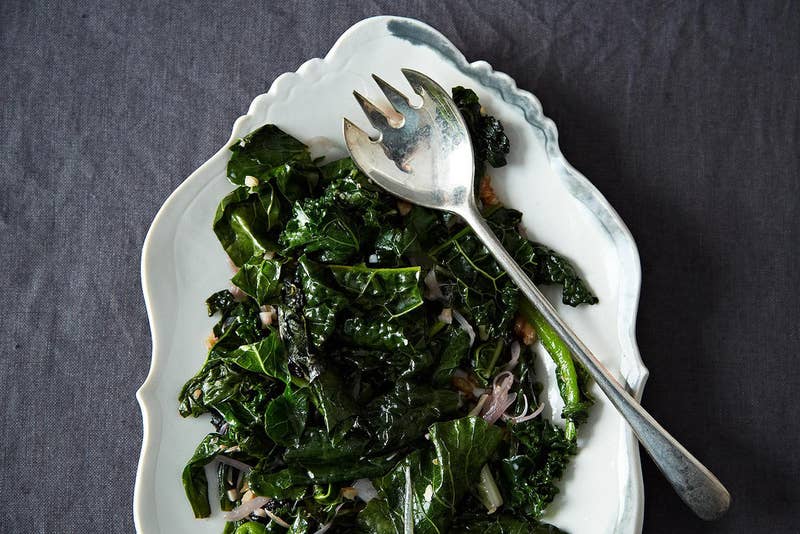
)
(182, 263)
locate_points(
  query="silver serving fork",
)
(424, 155)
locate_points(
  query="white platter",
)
(182, 263)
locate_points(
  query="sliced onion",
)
(329, 524)
(465, 326)
(277, 519)
(524, 412)
(530, 416)
(478, 407)
(241, 466)
(366, 491)
(515, 352)
(434, 288)
(500, 399)
(501, 376)
(477, 392)
(238, 294)
(246, 508)
(524, 416)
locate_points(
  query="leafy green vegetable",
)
(390, 320)
(264, 150)
(195, 482)
(285, 417)
(260, 278)
(502, 524)
(397, 290)
(421, 494)
(331, 399)
(535, 462)
(221, 301)
(267, 356)
(244, 222)
(489, 141)
(542, 264)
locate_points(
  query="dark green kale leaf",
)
(536, 460)
(451, 347)
(285, 417)
(489, 141)
(395, 290)
(263, 151)
(478, 287)
(333, 402)
(319, 448)
(555, 269)
(340, 224)
(322, 302)
(542, 264)
(195, 482)
(221, 301)
(295, 330)
(245, 222)
(239, 326)
(422, 492)
(322, 229)
(480, 523)
(402, 415)
(267, 357)
(260, 278)
(376, 333)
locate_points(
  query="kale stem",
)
(488, 492)
(497, 350)
(566, 375)
(461, 233)
(436, 328)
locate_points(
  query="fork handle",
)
(693, 482)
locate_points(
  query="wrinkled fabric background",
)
(685, 115)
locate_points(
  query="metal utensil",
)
(424, 155)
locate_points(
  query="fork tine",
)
(398, 100)
(375, 115)
(418, 81)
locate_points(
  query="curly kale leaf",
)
(536, 461)
(340, 224)
(221, 301)
(480, 523)
(489, 141)
(394, 290)
(543, 264)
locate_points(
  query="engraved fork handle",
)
(693, 482)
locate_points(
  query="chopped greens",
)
(364, 344)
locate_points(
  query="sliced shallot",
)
(278, 520)
(478, 407)
(434, 291)
(241, 466)
(465, 326)
(515, 352)
(500, 399)
(246, 508)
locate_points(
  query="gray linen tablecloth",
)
(684, 114)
